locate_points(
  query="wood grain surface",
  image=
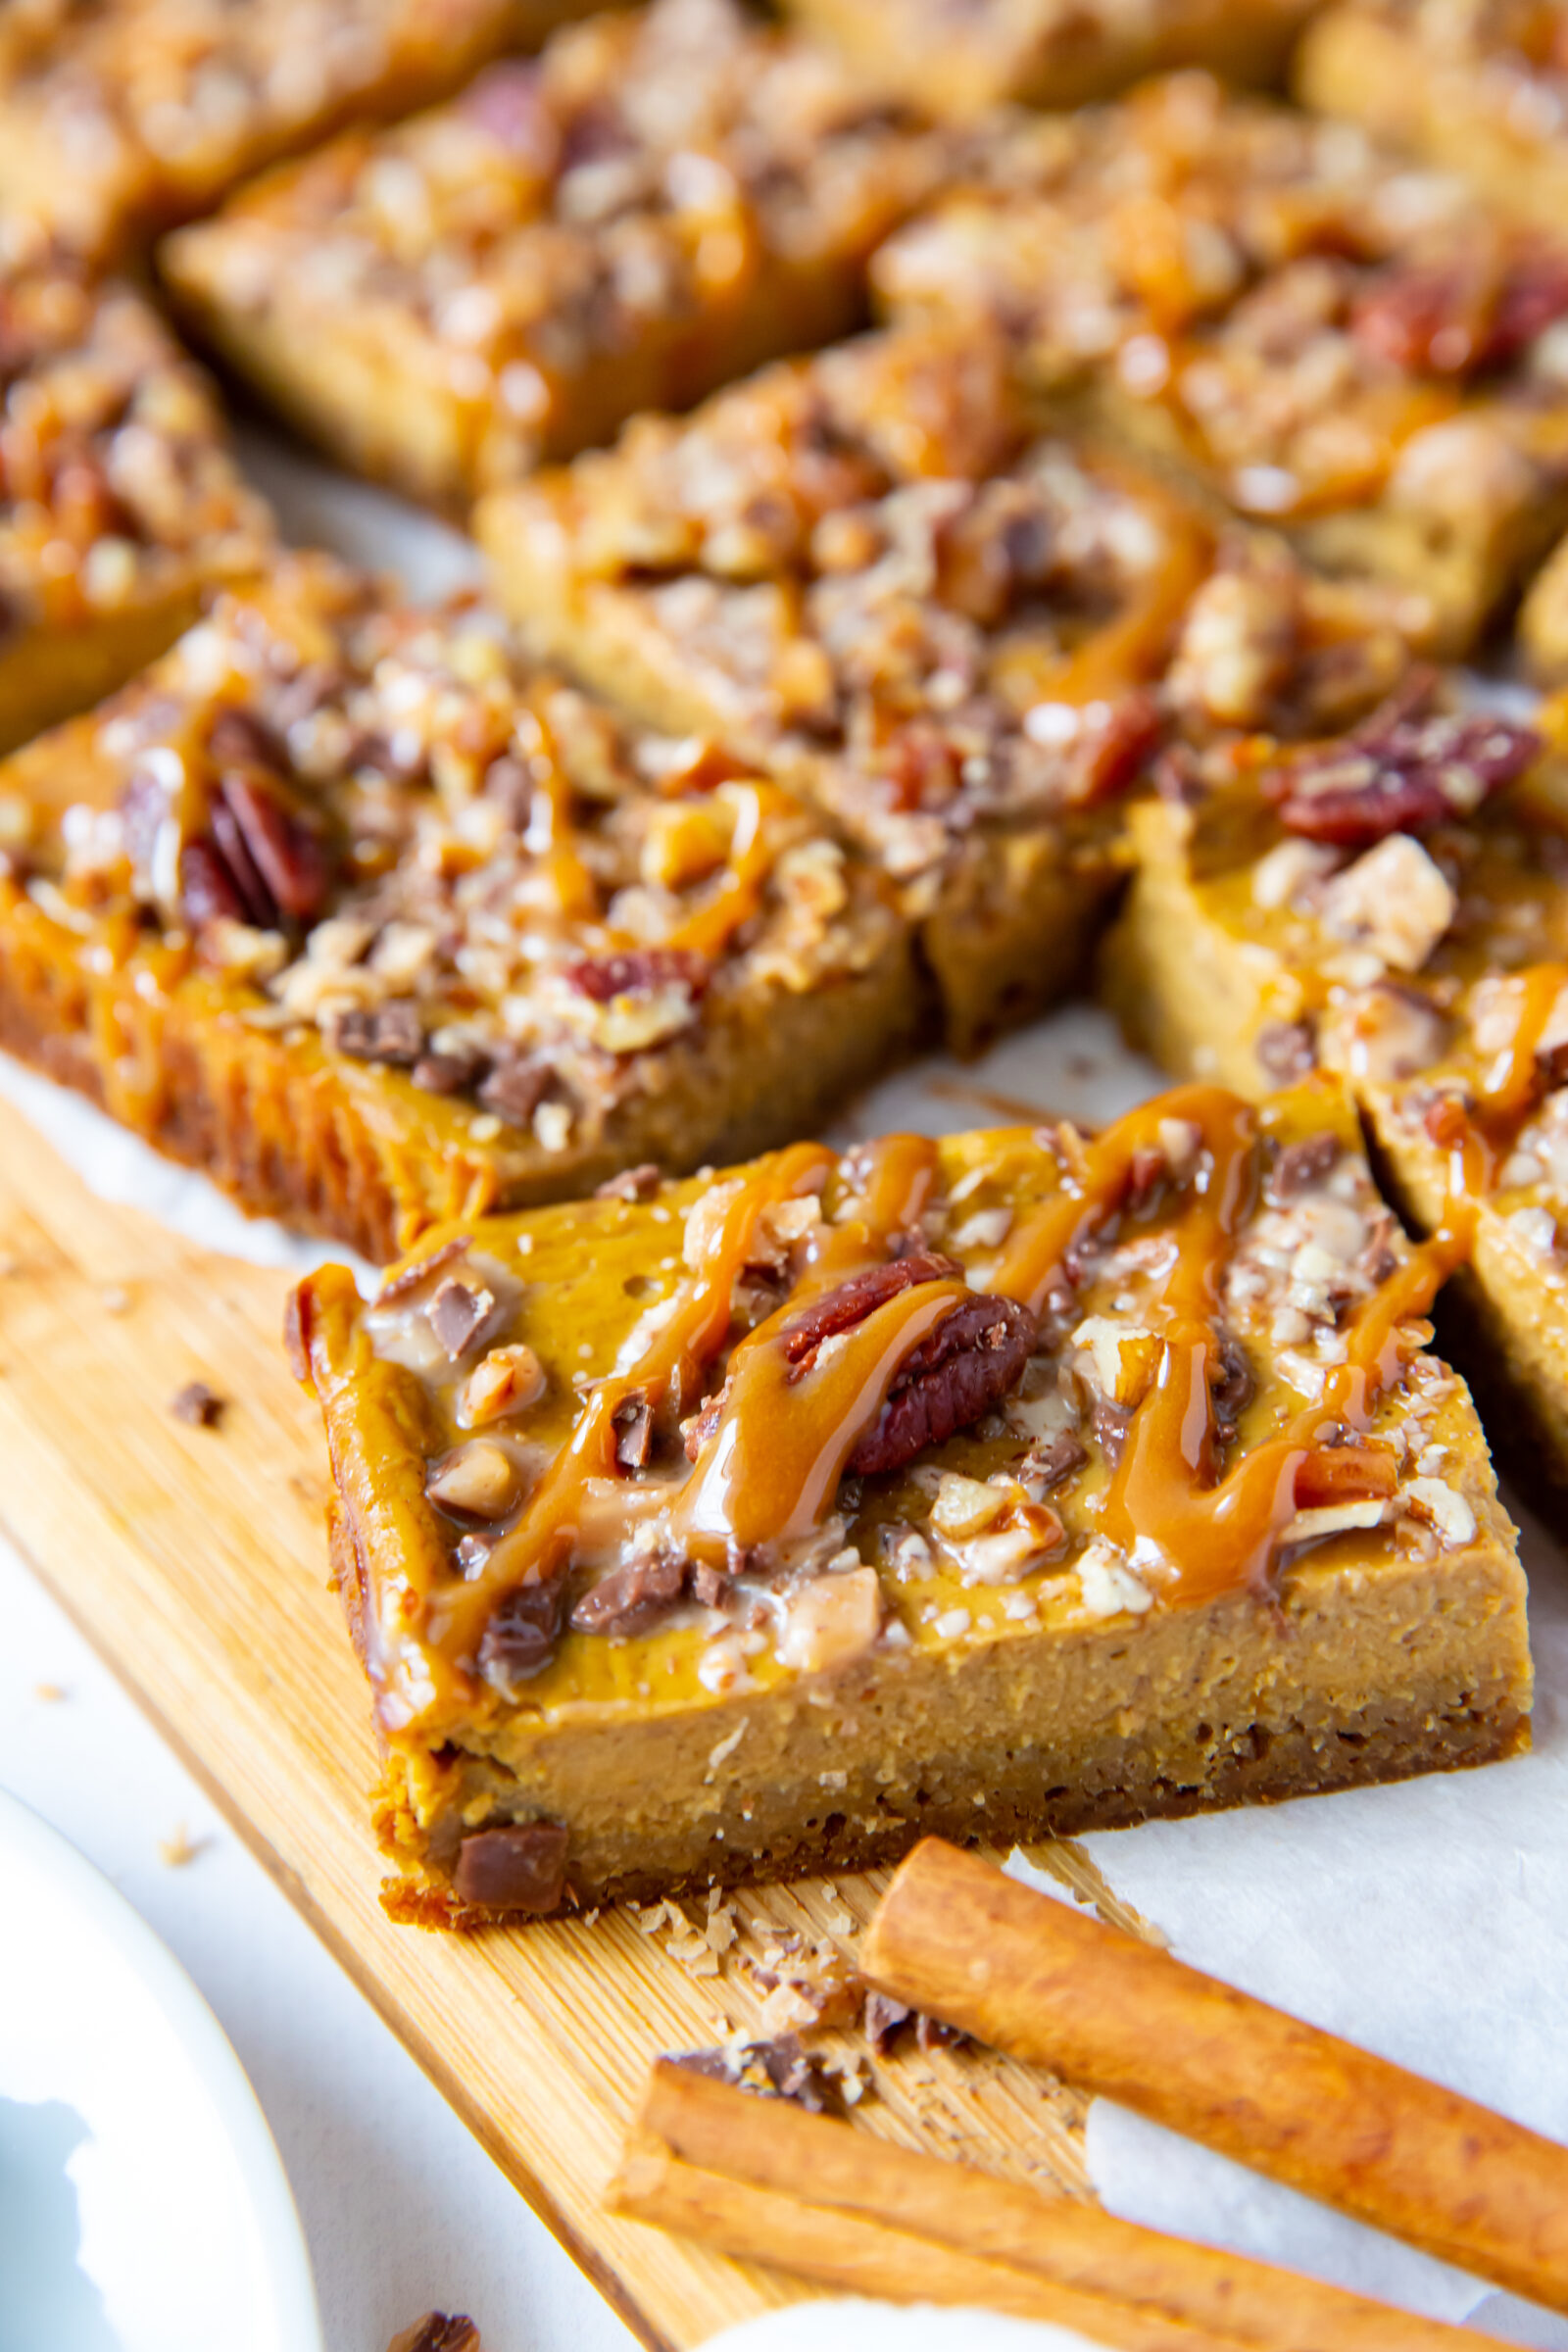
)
(194, 1560)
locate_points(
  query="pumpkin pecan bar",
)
(340, 904)
(120, 116)
(1543, 619)
(119, 504)
(961, 57)
(1392, 905)
(1018, 1483)
(665, 200)
(1478, 86)
(1317, 335)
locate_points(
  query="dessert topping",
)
(1403, 768)
(519, 1869)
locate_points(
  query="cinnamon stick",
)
(710, 2125)
(1032, 1976)
(862, 2257)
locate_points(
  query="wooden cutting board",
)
(194, 1560)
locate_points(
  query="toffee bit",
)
(408, 1278)
(458, 1314)
(1298, 1166)
(436, 2332)
(884, 2020)
(632, 1184)
(198, 1404)
(777, 2068)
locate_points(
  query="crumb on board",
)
(197, 1405)
(177, 1851)
(436, 2332)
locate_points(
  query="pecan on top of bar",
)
(926, 1395)
(1331, 340)
(665, 199)
(898, 589)
(119, 498)
(513, 936)
(119, 116)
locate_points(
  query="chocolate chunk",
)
(633, 1422)
(514, 1087)
(935, 2034)
(198, 1404)
(1231, 1385)
(1046, 1464)
(1298, 1166)
(637, 972)
(523, 1631)
(1110, 1424)
(449, 1071)
(1286, 1051)
(408, 1278)
(781, 2068)
(458, 1314)
(632, 1184)
(884, 2020)
(436, 2332)
(634, 1596)
(955, 1374)
(380, 1032)
(519, 1869)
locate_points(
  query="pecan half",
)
(850, 1301)
(637, 972)
(957, 1373)
(1403, 769)
(1450, 319)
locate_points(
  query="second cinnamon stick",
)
(1032, 1976)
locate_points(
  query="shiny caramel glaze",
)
(1203, 1401)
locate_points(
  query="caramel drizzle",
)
(708, 929)
(1484, 1138)
(540, 1544)
(1133, 647)
(1162, 1505)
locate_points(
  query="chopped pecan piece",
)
(523, 1631)
(1403, 768)
(198, 1404)
(632, 1184)
(1298, 1166)
(955, 1374)
(1286, 1051)
(380, 1032)
(408, 1278)
(638, 972)
(1448, 319)
(632, 1597)
(519, 1869)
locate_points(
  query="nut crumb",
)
(177, 1851)
(51, 1693)
(436, 2332)
(197, 1405)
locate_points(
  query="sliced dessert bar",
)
(664, 201)
(339, 904)
(119, 117)
(1543, 619)
(959, 56)
(120, 503)
(1393, 904)
(1481, 88)
(1317, 335)
(1017, 1483)
(878, 576)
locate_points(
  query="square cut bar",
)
(120, 503)
(375, 926)
(664, 201)
(1543, 620)
(878, 576)
(1321, 337)
(1013, 1484)
(1481, 88)
(1392, 906)
(118, 117)
(959, 56)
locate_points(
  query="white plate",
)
(144, 2207)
